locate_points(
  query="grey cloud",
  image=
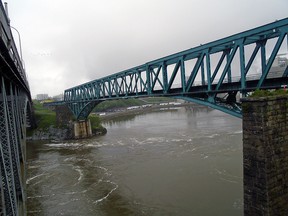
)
(89, 39)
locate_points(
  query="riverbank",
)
(106, 116)
(48, 128)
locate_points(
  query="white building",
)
(41, 97)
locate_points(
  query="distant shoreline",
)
(125, 112)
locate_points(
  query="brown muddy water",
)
(186, 161)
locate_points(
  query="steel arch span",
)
(211, 74)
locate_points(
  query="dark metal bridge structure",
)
(15, 112)
(215, 74)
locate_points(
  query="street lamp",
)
(19, 39)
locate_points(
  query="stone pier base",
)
(82, 129)
(265, 156)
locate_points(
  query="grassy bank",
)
(46, 118)
(266, 93)
(96, 122)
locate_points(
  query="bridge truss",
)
(212, 74)
(15, 110)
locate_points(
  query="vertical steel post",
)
(229, 77)
(263, 56)
(148, 79)
(271, 59)
(183, 78)
(208, 68)
(202, 73)
(242, 68)
(165, 78)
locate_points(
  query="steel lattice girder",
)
(154, 78)
(6, 156)
(14, 94)
(12, 107)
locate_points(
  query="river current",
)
(185, 161)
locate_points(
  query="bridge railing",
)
(11, 57)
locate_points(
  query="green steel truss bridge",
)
(215, 74)
(15, 112)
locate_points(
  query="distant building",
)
(133, 107)
(279, 66)
(59, 97)
(41, 97)
(281, 60)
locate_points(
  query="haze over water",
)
(172, 162)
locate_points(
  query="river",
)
(185, 161)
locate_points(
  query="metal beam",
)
(142, 80)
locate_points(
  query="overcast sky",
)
(68, 42)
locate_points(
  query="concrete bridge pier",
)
(82, 129)
(78, 129)
(265, 156)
